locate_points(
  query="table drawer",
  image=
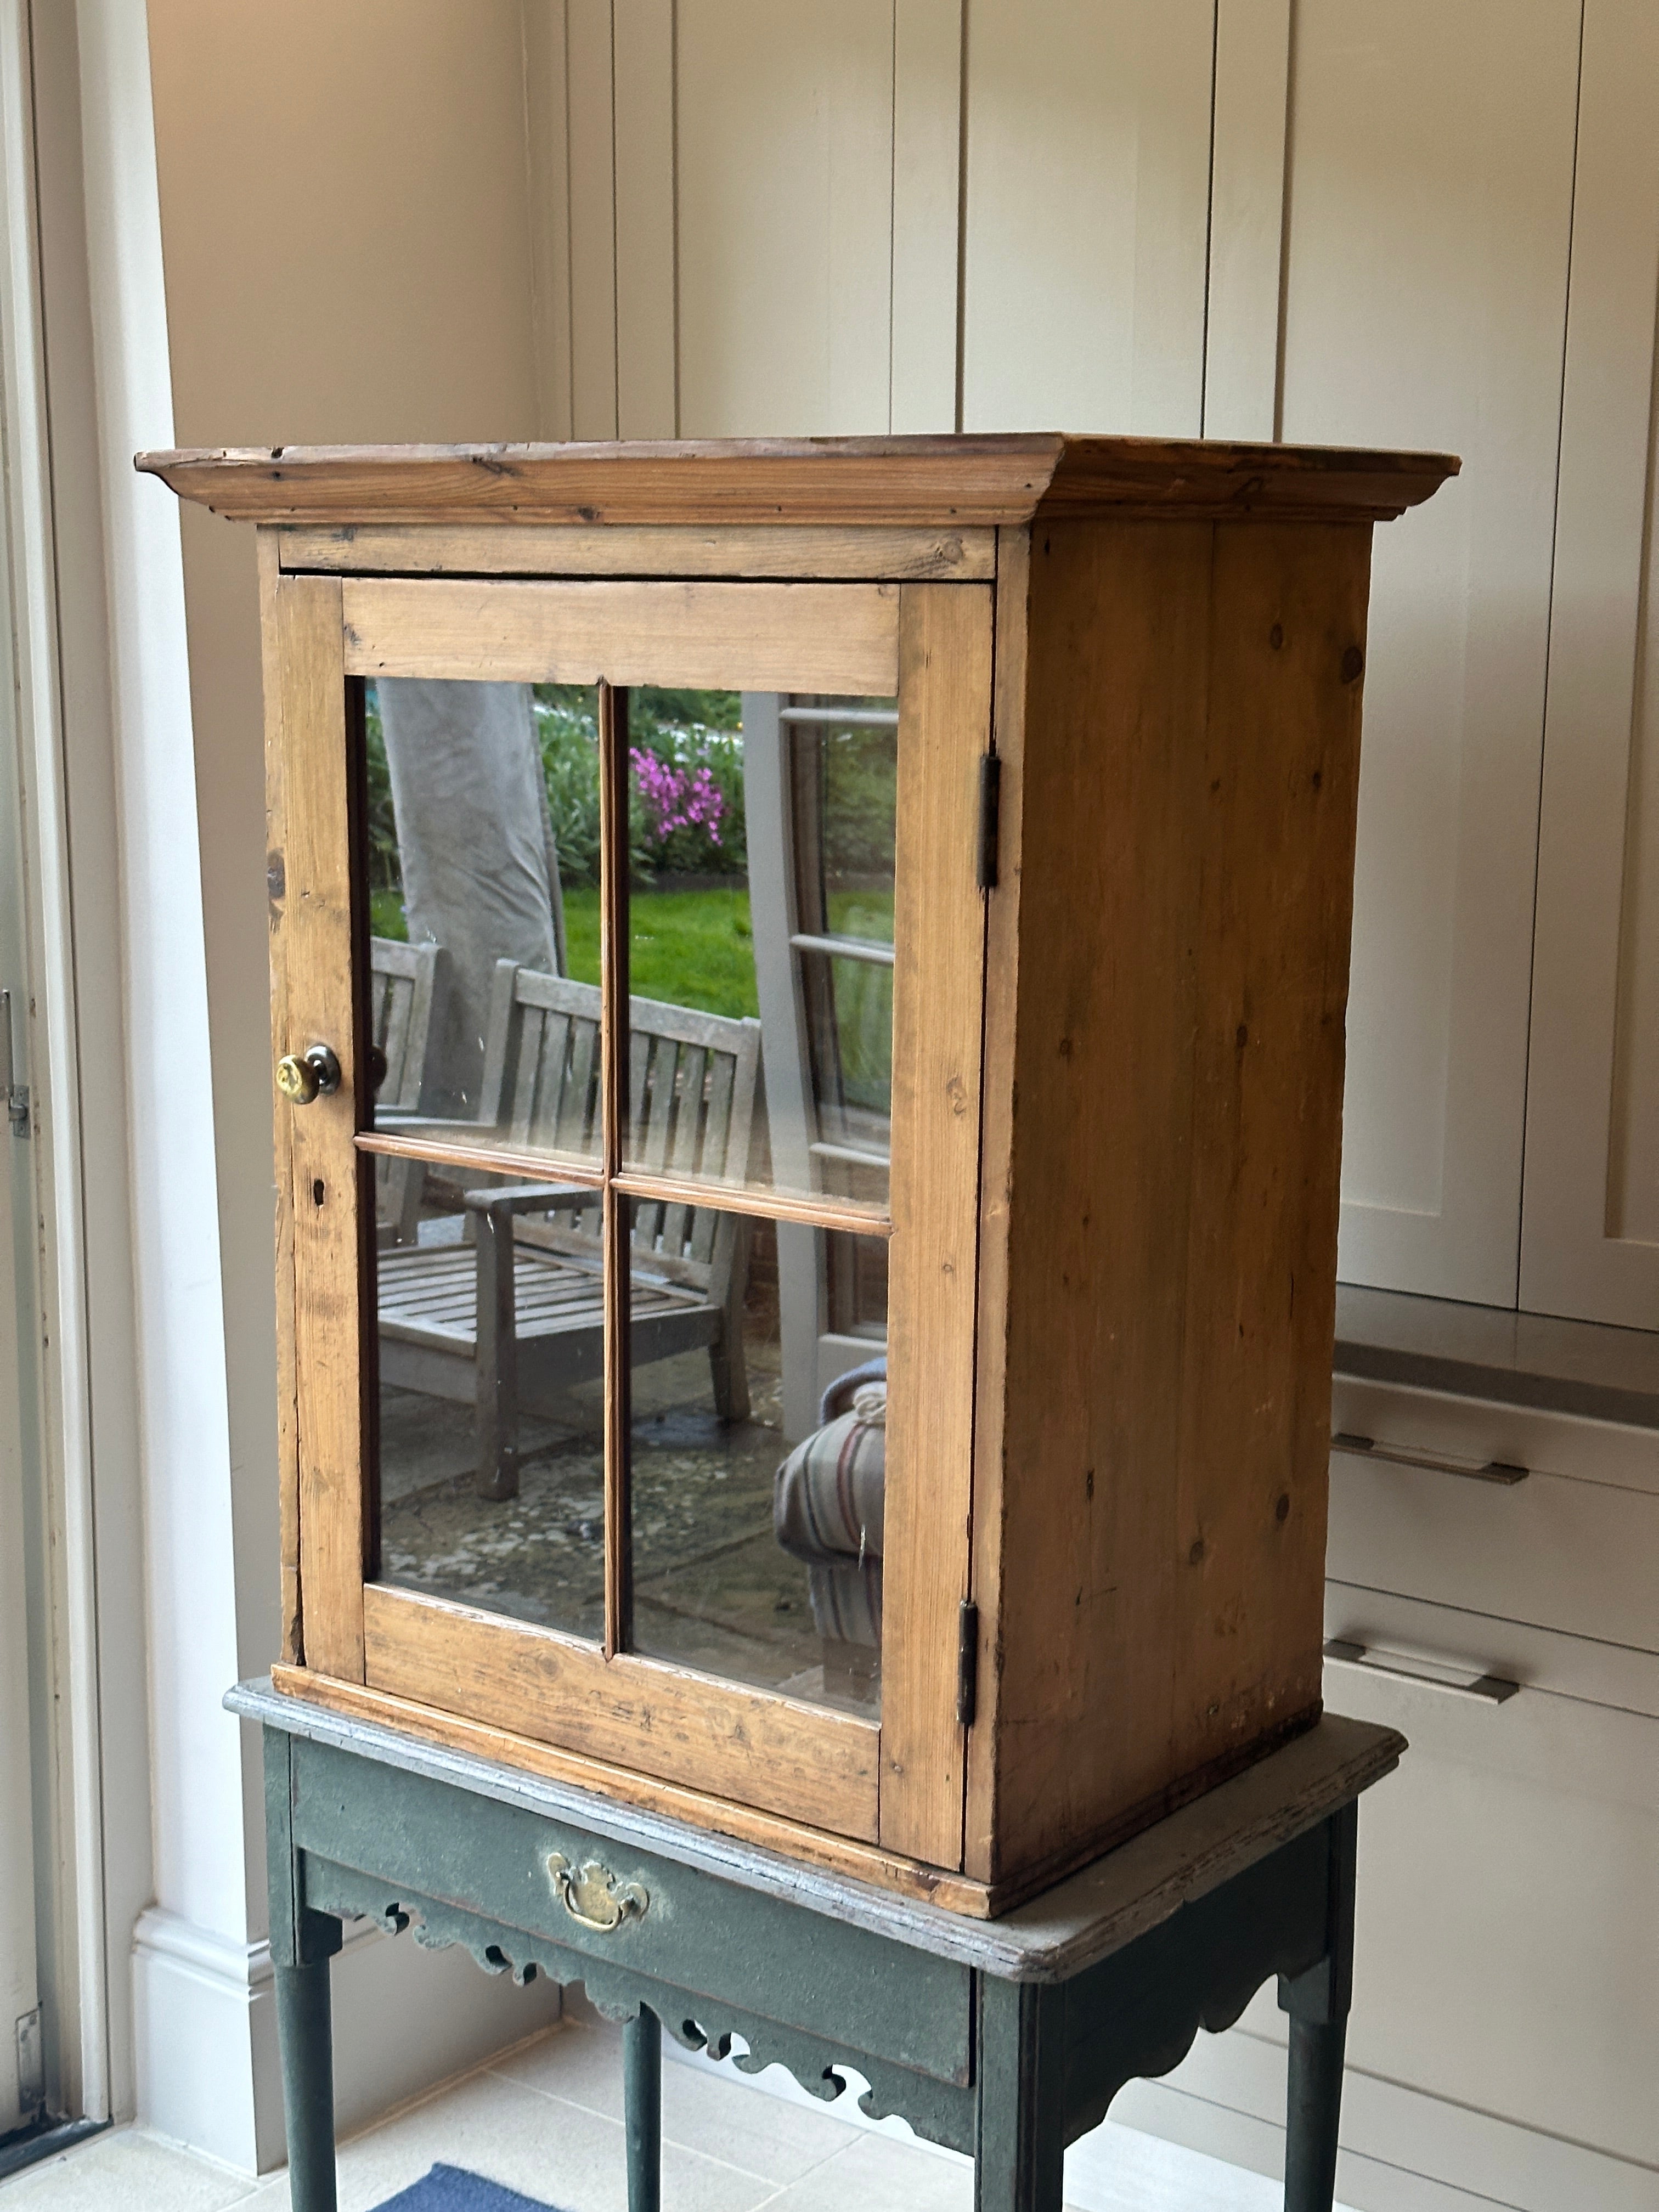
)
(407, 1836)
(1563, 1548)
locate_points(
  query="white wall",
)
(401, 310)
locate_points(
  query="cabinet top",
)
(853, 482)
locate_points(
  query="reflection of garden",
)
(712, 1589)
(690, 940)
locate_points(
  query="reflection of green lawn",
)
(385, 916)
(693, 949)
(686, 948)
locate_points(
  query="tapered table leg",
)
(1317, 2003)
(1019, 2150)
(643, 2109)
(307, 2040)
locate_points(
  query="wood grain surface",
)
(820, 552)
(801, 1761)
(513, 1750)
(1190, 765)
(292, 1630)
(736, 637)
(923, 482)
(1002, 973)
(331, 1182)
(938, 932)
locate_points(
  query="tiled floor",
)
(546, 2119)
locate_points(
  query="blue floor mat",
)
(450, 2188)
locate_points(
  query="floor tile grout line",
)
(726, 2165)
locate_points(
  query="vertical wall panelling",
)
(1590, 1243)
(547, 154)
(1430, 203)
(928, 59)
(591, 140)
(785, 207)
(648, 398)
(1247, 218)
(1087, 215)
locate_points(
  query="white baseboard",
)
(404, 2019)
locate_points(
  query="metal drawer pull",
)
(590, 1895)
(1492, 1470)
(1490, 1690)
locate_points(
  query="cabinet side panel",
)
(944, 726)
(324, 1168)
(1110, 875)
(1185, 895)
(1282, 785)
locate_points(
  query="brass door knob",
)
(302, 1079)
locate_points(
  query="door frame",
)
(900, 1782)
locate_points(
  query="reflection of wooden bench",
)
(404, 981)
(511, 1320)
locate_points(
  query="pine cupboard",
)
(958, 961)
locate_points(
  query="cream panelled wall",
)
(1415, 223)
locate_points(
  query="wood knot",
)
(1353, 664)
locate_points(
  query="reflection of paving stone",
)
(712, 1590)
(425, 1441)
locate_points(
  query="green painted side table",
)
(1006, 2039)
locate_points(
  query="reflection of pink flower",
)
(677, 798)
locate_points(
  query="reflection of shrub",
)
(685, 801)
(385, 869)
(859, 769)
(569, 738)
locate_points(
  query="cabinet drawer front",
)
(1405, 1633)
(1557, 1549)
(795, 1965)
(1508, 1917)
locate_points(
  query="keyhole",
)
(317, 1192)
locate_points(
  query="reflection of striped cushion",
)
(826, 1502)
(847, 1601)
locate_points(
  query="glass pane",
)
(761, 938)
(757, 1554)
(480, 856)
(501, 1505)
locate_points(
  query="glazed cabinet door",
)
(630, 974)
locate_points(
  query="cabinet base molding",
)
(955, 1893)
(1402, 2149)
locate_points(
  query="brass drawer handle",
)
(1492, 1470)
(590, 1895)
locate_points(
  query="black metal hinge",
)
(967, 1662)
(990, 807)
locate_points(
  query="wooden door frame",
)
(898, 1783)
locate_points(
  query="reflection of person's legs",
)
(475, 841)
